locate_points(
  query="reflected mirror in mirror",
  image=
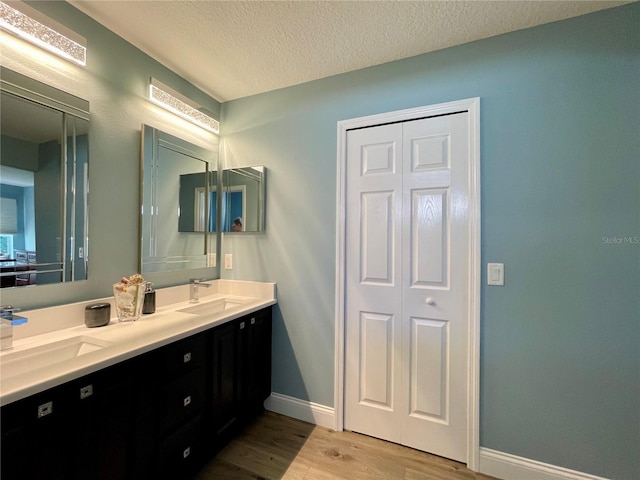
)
(197, 202)
(44, 176)
(243, 199)
(174, 220)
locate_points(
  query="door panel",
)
(376, 360)
(430, 151)
(377, 237)
(378, 158)
(407, 293)
(429, 369)
(430, 237)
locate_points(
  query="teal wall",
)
(560, 154)
(115, 82)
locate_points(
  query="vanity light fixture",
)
(180, 105)
(31, 25)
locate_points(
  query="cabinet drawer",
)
(180, 453)
(184, 355)
(181, 399)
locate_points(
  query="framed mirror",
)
(176, 176)
(44, 176)
(243, 199)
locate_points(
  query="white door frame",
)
(471, 105)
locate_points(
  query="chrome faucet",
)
(195, 284)
(7, 321)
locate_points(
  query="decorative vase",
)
(129, 299)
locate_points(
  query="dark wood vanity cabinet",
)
(158, 415)
(240, 373)
(82, 429)
(256, 381)
(171, 403)
(35, 437)
(102, 415)
(226, 373)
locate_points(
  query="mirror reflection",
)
(176, 177)
(197, 208)
(43, 183)
(242, 204)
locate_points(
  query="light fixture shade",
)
(33, 26)
(172, 101)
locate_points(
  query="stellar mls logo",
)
(621, 240)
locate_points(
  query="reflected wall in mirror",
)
(174, 235)
(243, 199)
(44, 175)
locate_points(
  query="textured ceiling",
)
(233, 49)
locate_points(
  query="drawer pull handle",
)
(186, 452)
(86, 392)
(187, 357)
(187, 400)
(241, 325)
(45, 409)
(253, 320)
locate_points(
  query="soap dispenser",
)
(149, 305)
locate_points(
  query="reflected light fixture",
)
(35, 27)
(180, 105)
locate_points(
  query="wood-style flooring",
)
(277, 447)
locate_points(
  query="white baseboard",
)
(510, 467)
(306, 411)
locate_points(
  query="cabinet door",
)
(103, 422)
(36, 439)
(258, 358)
(226, 373)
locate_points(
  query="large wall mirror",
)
(176, 206)
(44, 175)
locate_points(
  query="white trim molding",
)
(306, 411)
(511, 467)
(471, 105)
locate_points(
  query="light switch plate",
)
(228, 261)
(495, 274)
(212, 260)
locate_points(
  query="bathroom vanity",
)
(151, 399)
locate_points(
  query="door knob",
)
(430, 301)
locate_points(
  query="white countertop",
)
(122, 341)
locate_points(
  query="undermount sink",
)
(34, 358)
(214, 306)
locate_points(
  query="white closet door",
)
(407, 283)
